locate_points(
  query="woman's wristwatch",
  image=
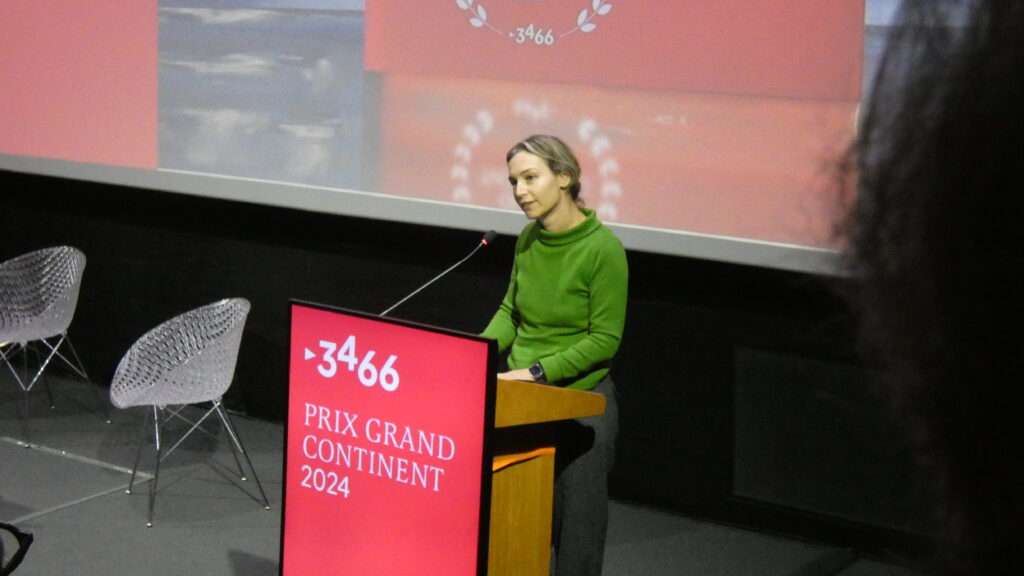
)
(537, 371)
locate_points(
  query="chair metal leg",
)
(24, 368)
(138, 452)
(39, 375)
(25, 428)
(238, 464)
(44, 363)
(234, 452)
(156, 471)
(7, 354)
(237, 444)
(197, 425)
(25, 414)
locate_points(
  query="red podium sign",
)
(387, 464)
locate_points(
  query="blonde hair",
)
(556, 154)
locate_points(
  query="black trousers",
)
(584, 455)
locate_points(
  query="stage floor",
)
(69, 491)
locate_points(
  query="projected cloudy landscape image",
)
(263, 89)
(315, 92)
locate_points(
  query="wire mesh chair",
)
(189, 359)
(38, 298)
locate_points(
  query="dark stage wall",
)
(741, 399)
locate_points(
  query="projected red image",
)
(385, 451)
(789, 48)
(720, 118)
(736, 166)
(80, 81)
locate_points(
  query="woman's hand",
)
(522, 374)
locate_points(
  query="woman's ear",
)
(564, 180)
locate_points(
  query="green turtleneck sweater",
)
(566, 303)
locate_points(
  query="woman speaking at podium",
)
(563, 316)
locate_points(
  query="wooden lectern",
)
(522, 483)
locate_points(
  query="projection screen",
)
(704, 129)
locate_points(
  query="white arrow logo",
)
(309, 354)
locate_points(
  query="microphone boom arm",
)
(484, 242)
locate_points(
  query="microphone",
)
(488, 237)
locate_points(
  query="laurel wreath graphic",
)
(598, 143)
(472, 133)
(477, 15)
(585, 19)
(586, 22)
(591, 138)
